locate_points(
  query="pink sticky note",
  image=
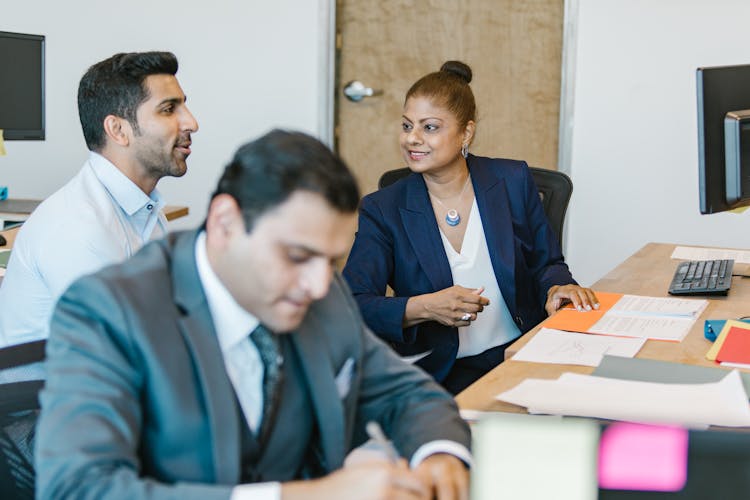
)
(643, 457)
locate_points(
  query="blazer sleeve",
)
(544, 257)
(368, 271)
(90, 424)
(412, 409)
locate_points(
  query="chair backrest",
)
(392, 176)
(19, 409)
(555, 189)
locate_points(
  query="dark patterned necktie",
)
(269, 349)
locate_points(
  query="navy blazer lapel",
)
(329, 410)
(198, 330)
(424, 235)
(494, 209)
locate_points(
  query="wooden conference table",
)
(647, 272)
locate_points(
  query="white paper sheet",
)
(696, 405)
(647, 328)
(699, 253)
(657, 318)
(638, 305)
(557, 346)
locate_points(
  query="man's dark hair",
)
(116, 86)
(267, 171)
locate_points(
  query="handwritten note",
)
(569, 348)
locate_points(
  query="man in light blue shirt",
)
(137, 126)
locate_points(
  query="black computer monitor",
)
(724, 137)
(22, 86)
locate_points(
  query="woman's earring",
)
(465, 150)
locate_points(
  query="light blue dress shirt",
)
(98, 218)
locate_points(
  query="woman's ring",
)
(466, 317)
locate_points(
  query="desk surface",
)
(647, 272)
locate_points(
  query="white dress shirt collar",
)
(231, 321)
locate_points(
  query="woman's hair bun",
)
(457, 68)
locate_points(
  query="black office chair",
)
(19, 409)
(555, 189)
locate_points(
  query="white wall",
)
(634, 154)
(246, 66)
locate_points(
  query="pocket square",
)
(344, 378)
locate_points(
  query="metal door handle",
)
(355, 91)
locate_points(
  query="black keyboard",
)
(702, 277)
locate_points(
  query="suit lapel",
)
(329, 411)
(198, 330)
(424, 235)
(494, 209)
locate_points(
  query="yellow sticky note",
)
(739, 210)
(2, 143)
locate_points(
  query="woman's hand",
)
(454, 306)
(583, 299)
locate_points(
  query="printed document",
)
(656, 318)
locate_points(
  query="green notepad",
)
(511, 450)
(4, 256)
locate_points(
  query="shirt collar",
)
(124, 191)
(232, 323)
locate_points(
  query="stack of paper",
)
(732, 345)
(632, 316)
(695, 405)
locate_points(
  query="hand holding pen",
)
(376, 434)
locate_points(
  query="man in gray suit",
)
(157, 388)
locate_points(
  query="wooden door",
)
(513, 47)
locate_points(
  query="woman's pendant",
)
(452, 218)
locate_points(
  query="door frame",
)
(567, 86)
(327, 78)
(326, 70)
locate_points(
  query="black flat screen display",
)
(22, 86)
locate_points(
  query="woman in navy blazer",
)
(463, 242)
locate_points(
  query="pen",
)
(376, 434)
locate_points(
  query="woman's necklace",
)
(452, 217)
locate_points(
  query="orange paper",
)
(571, 320)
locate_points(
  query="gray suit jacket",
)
(138, 404)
